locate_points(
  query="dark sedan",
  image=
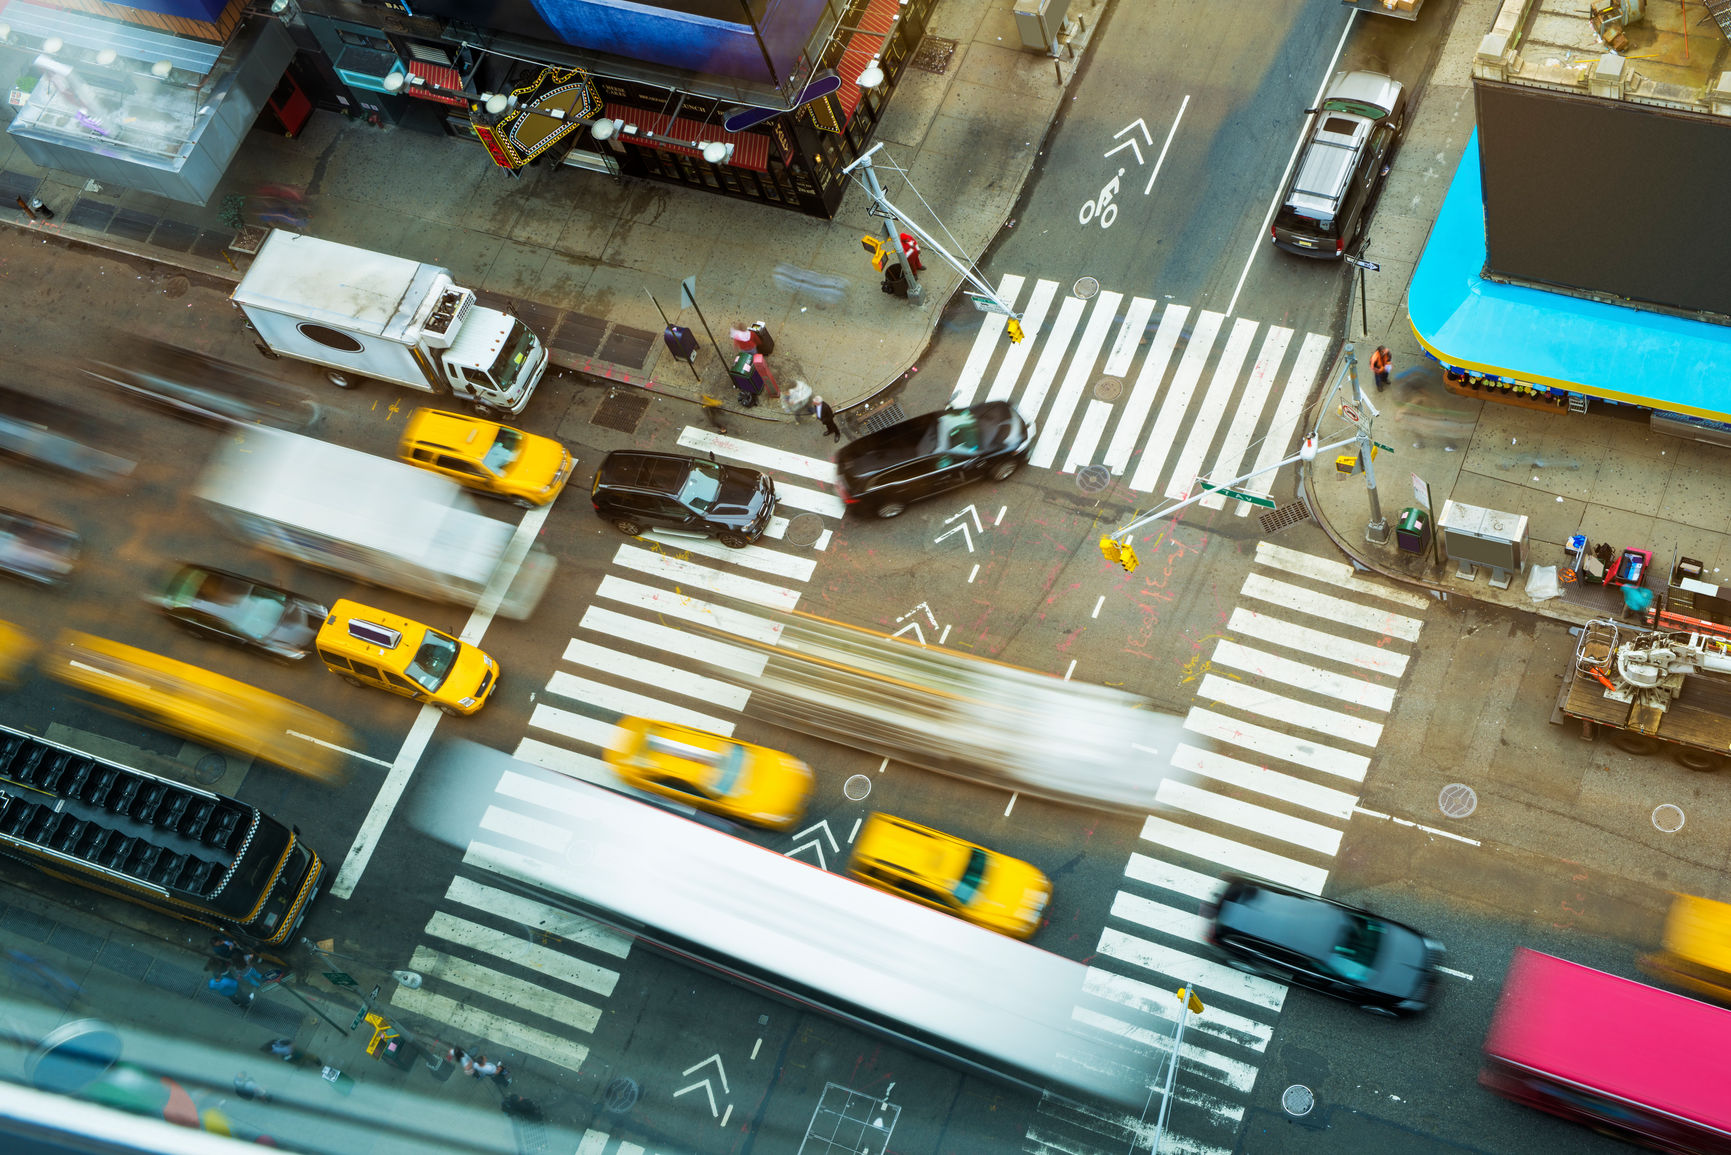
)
(201, 387)
(36, 550)
(214, 603)
(920, 457)
(642, 491)
(1385, 967)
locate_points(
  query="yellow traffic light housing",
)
(1111, 550)
(1014, 327)
(1127, 558)
(874, 246)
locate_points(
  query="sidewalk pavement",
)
(1603, 473)
(581, 253)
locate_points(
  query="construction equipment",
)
(1652, 688)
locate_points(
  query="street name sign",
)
(1238, 495)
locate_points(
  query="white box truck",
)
(372, 519)
(363, 314)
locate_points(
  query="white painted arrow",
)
(923, 606)
(914, 628)
(707, 1090)
(822, 827)
(961, 529)
(720, 1071)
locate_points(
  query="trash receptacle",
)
(1413, 532)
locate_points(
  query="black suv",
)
(925, 455)
(640, 491)
(1353, 135)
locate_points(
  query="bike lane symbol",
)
(1102, 205)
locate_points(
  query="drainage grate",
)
(882, 419)
(933, 55)
(628, 346)
(621, 410)
(1286, 515)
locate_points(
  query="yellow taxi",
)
(496, 459)
(951, 874)
(198, 704)
(736, 780)
(369, 647)
(1695, 951)
(16, 648)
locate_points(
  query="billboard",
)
(1604, 196)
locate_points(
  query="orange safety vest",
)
(1379, 361)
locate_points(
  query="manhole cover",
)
(804, 530)
(1286, 515)
(209, 769)
(1667, 818)
(1093, 478)
(857, 787)
(933, 54)
(620, 1095)
(1457, 800)
(1086, 288)
(1109, 388)
(1297, 1100)
(176, 287)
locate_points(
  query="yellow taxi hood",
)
(538, 463)
(1013, 894)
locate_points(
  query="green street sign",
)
(360, 1017)
(1384, 448)
(1239, 495)
(338, 978)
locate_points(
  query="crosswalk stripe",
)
(1230, 463)
(702, 577)
(815, 501)
(593, 1142)
(1171, 876)
(758, 456)
(569, 724)
(1052, 351)
(1342, 611)
(630, 702)
(1253, 700)
(519, 993)
(1158, 916)
(1238, 1075)
(770, 561)
(562, 761)
(561, 1052)
(1302, 676)
(1337, 573)
(1033, 316)
(536, 832)
(1248, 816)
(686, 608)
(1234, 856)
(1274, 744)
(1286, 416)
(628, 1149)
(985, 342)
(1262, 780)
(1057, 422)
(1147, 387)
(519, 951)
(1164, 434)
(1205, 973)
(1130, 335)
(1303, 639)
(659, 675)
(1212, 410)
(574, 928)
(1146, 998)
(705, 649)
(776, 530)
(1088, 434)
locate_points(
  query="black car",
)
(1384, 966)
(255, 615)
(883, 471)
(36, 550)
(200, 387)
(641, 491)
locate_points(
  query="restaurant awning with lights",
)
(750, 149)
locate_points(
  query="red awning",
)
(435, 75)
(861, 46)
(750, 149)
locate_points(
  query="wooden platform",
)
(1701, 715)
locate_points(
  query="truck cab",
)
(495, 362)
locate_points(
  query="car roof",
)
(467, 436)
(632, 469)
(1305, 923)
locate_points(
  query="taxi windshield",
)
(968, 887)
(433, 660)
(507, 444)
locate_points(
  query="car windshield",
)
(728, 770)
(513, 356)
(959, 433)
(701, 486)
(260, 612)
(1354, 956)
(507, 444)
(1362, 108)
(967, 888)
(433, 661)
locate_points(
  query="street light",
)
(871, 75)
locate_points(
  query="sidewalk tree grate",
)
(1093, 478)
(176, 236)
(1086, 287)
(1109, 388)
(578, 333)
(804, 530)
(132, 224)
(1284, 517)
(621, 410)
(933, 55)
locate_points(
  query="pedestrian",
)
(228, 987)
(765, 344)
(485, 1068)
(744, 340)
(911, 253)
(1636, 599)
(285, 1049)
(712, 411)
(247, 1088)
(821, 410)
(1379, 363)
(461, 1057)
(225, 948)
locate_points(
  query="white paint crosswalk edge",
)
(1253, 700)
(1318, 643)
(539, 916)
(1186, 967)
(513, 948)
(467, 1020)
(1244, 775)
(518, 993)
(677, 570)
(1164, 433)
(1230, 463)
(657, 675)
(756, 557)
(1300, 676)
(1213, 408)
(1146, 389)
(1274, 744)
(710, 651)
(1261, 820)
(685, 608)
(1148, 999)
(1341, 611)
(1034, 316)
(992, 327)
(1057, 422)
(1286, 417)
(759, 456)
(1337, 573)
(1240, 1076)
(1234, 856)
(1052, 351)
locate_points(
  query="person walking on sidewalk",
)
(821, 410)
(1379, 363)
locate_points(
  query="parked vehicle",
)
(642, 491)
(254, 615)
(370, 647)
(1353, 136)
(736, 780)
(923, 456)
(487, 457)
(36, 550)
(950, 874)
(201, 387)
(1654, 690)
(1384, 966)
(1695, 950)
(363, 314)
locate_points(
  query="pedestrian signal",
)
(1015, 330)
(1127, 558)
(875, 247)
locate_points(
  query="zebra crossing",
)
(1277, 743)
(1161, 432)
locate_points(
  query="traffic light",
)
(1014, 327)
(875, 246)
(1124, 553)
(1127, 558)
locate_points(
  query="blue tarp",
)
(1552, 340)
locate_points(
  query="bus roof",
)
(1616, 1037)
